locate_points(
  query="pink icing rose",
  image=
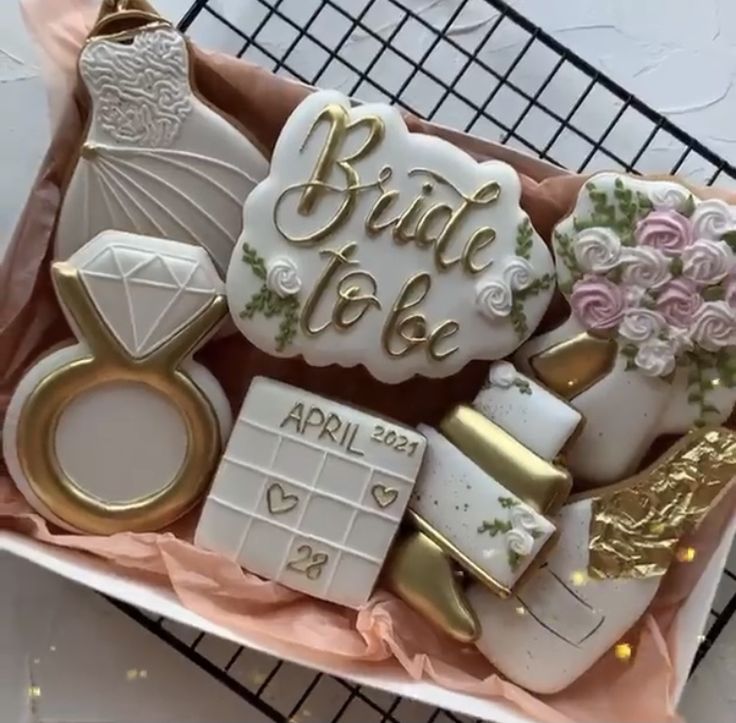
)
(714, 326)
(678, 301)
(666, 231)
(707, 262)
(597, 303)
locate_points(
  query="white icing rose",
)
(706, 262)
(711, 219)
(655, 358)
(645, 266)
(493, 298)
(667, 198)
(523, 519)
(520, 542)
(680, 340)
(640, 325)
(714, 326)
(282, 277)
(518, 273)
(502, 374)
(597, 250)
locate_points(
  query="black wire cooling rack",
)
(490, 72)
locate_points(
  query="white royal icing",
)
(141, 90)
(644, 267)
(401, 241)
(597, 249)
(712, 218)
(282, 277)
(156, 160)
(310, 492)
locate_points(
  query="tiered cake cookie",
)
(484, 498)
(371, 245)
(122, 431)
(156, 159)
(310, 492)
(614, 548)
(650, 346)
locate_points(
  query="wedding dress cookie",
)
(484, 498)
(156, 160)
(310, 492)
(368, 244)
(122, 431)
(650, 347)
(606, 568)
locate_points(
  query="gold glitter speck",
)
(579, 578)
(623, 652)
(34, 691)
(686, 554)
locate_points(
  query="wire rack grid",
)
(482, 67)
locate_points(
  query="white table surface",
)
(680, 60)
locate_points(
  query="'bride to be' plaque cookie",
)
(368, 244)
(122, 430)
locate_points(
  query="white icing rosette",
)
(645, 266)
(493, 298)
(597, 250)
(655, 358)
(714, 326)
(282, 277)
(707, 262)
(668, 199)
(518, 274)
(711, 219)
(520, 538)
(502, 374)
(640, 325)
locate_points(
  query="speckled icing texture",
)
(541, 421)
(310, 492)
(474, 512)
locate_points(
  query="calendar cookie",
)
(310, 492)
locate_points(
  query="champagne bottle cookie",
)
(122, 430)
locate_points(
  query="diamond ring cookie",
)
(156, 159)
(368, 244)
(650, 347)
(310, 492)
(122, 431)
(485, 498)
(613, 550)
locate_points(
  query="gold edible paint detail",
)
(307, 562)
(384, 496)
(420, 573)
(278, 501)
(539, 483)
(107, 362)
(636, 527)
(119, 17)
(575, 365)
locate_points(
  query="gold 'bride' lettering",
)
(312, 191)
(351, 297)
(412, 329)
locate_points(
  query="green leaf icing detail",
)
(266, 302)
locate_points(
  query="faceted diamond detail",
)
(146, 296)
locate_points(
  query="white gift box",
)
(97, 575)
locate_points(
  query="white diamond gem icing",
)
(160, 292)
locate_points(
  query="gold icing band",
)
(573, 366)
(106, 363)
(539, 483)
(636, 527)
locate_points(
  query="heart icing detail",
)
(384, 496)
(279, 502)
